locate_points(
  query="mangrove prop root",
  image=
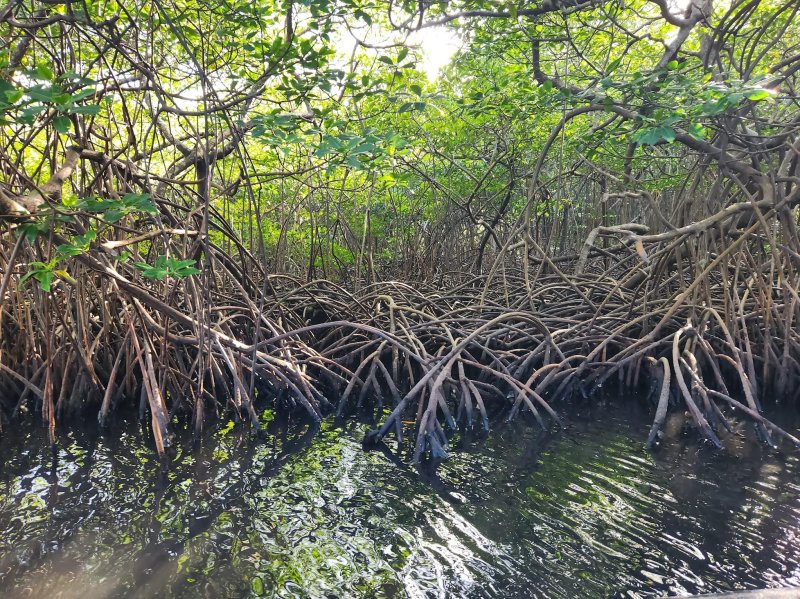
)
(431, 356)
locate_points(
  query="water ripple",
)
(304, 513)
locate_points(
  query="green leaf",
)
(88, 109)
(667, 134)
(40, 93)
(151, 272)
(184, 268)
(86, 239)
(61, 124)
(612, 66)
(697, 131)
(13, 96)
(30, 113)
(165, 267)
(365, 147)
(81, 95)
(758, 94)
(45, 278)
(63, 274)
(734, 99)
(115, 210)
(32, 230)
(326, 146)
(9, 94)
(411, 106)
(66, 250)
(140, 202)
(42, 273)
(44, 72)
(360, 14)
(654, 135)
(354, 162)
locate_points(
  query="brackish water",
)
(587, 512)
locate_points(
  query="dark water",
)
(583, 513)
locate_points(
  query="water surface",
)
(299, 512)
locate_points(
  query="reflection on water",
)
(304, 513)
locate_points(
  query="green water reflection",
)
(299, 512)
